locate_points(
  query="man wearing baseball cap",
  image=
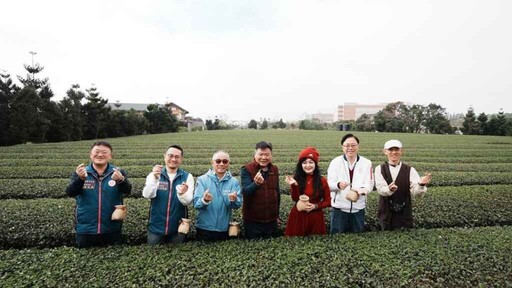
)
(396, 182)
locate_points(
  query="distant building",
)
(352, 111)
(322, 117)
(195, 123)
(176, 110)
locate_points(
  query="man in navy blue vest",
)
(98, 188)
(170, 189)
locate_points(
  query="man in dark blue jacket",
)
(98, 188)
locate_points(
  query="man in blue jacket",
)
(98, 188)
(170, 189)
(216, 194)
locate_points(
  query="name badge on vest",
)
(89, 184)
(163, 186)
(111, 183)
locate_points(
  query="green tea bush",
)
(49, 222)
(476, 257)
(55, 187)
(471, 188)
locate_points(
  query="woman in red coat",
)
(307, 217)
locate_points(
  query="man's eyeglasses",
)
(223, 161)
(177, 157)
(100, 152)
(350, 145)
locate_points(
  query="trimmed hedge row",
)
(49, 222)
(439, 164)
(425, 258)
(243, 148)
(49, 188)
(31, 188)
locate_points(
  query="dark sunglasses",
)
(223, 161)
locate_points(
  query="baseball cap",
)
(392, 143)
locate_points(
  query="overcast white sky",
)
(268, 58)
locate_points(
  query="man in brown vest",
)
(395, 182)
(261, 194)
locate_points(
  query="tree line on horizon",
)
(433, 119)
(27, 114)
(399, 117)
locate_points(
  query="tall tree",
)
(482, 124)
(30, 79)
(209, 124)
(25, 117)
(135, 123)
(74, 121)
(509, 127)
(413, 117)
(216, 124)
(498, 124)
(45, 110)
(469, 125)
(436, 121)
(116, 123)
(252, 124)
(264, 124)
(281, 124)
(54, 116)
(364, 123)
(389, 118)
(160, 120)
(96, 113)
(7, 92)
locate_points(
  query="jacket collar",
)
(179, 172)
(255, 164)
(211, 174)
(110, 168)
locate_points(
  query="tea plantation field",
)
(462, 235)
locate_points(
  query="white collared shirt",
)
(383, 187)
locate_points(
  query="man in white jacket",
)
(349, 175)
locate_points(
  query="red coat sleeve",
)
(295, 192)
(326, 202)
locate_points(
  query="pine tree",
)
(96, 115)
(25, 117)
(160, 120)
(470, 126)
(31, 79)
(47, 118)
(71, 106)
(7, 92)
(482, 124)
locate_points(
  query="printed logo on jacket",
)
(89, 184)
(163, 185)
